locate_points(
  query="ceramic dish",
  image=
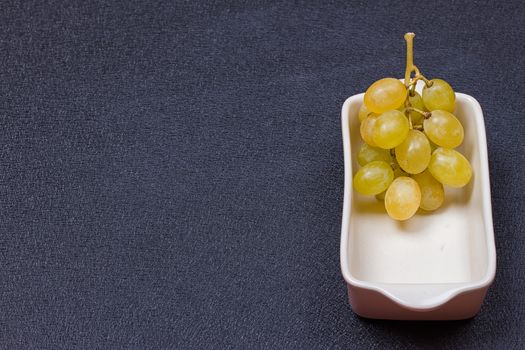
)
(435, 266)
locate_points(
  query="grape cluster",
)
(409, 139)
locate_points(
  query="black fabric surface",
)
(172, 172)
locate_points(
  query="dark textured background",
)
(172, 173)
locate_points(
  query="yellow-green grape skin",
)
(439, 96)
(433, 146)
(432, 192)
(385, 94)
(402, 199)
(390, 129)
(413, 154)
(367, 129)
(369, 154)
(444, 129)
(417, 102)
(364, 112)
(397, 173)
(450, 167)
(373, 178)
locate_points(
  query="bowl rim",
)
(455, 288)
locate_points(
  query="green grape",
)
(373, 178)
(413, 154)
(432, 192)
(402, 199)
(364, 112)
(433, 146)
(444, 129)
(450, 167)
(397, 173)
(417, 102)
(385, 94)
(390, 129)
(367, 128)
(369, 154)
(439, 96)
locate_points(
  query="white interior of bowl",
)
(453, 245)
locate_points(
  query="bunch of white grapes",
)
(409, 139)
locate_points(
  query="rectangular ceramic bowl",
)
(434, 266)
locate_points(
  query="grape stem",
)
(428, 83)
(411, 67)
(425, 114)
(413, 82)
(412, 90)
(409, 38)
